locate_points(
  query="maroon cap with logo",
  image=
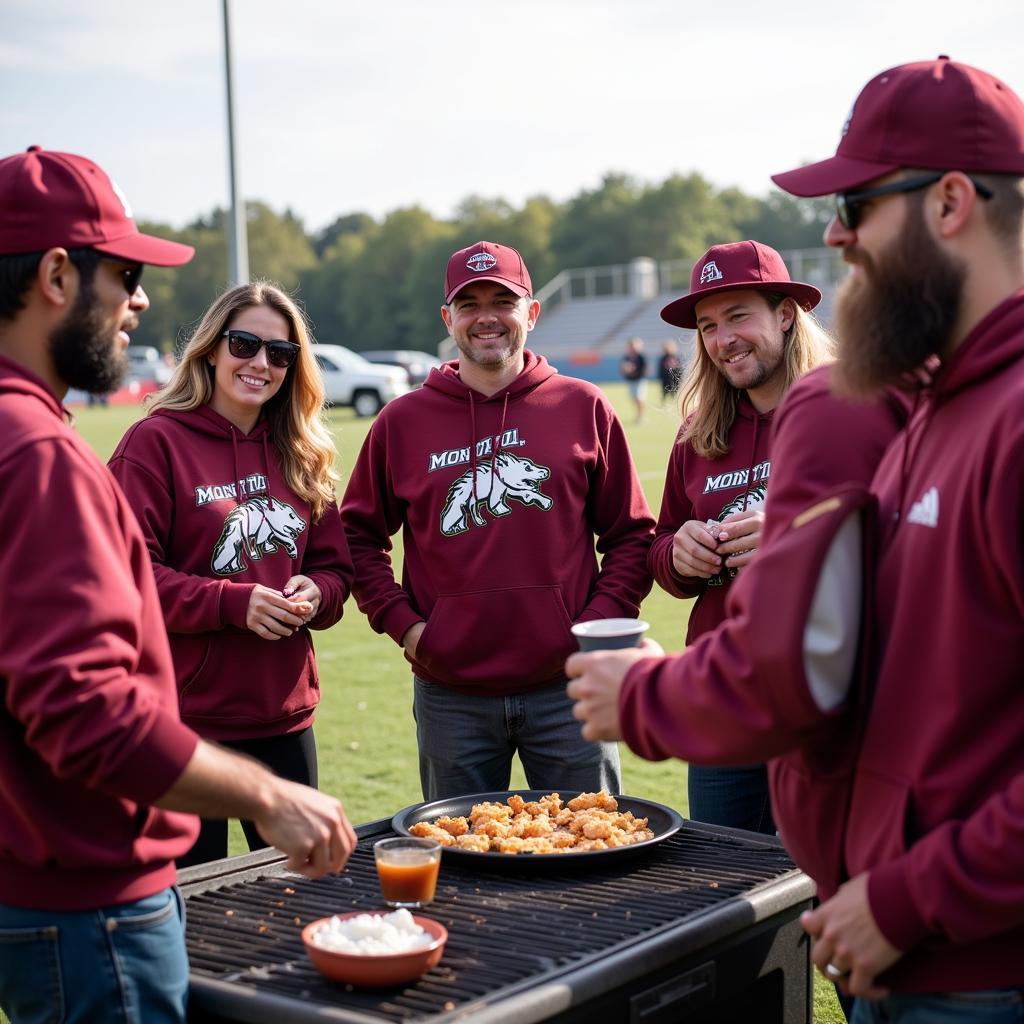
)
(733, 267)
(50, 200)
(487, 261)
(937, 115)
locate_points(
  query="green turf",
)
(364, 730)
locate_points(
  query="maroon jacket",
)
(937, 813)
(89, 727)
(499, 501)
(219, 518)
(699, 488)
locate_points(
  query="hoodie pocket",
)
(242, 678)
(879, 821)
(500, 640)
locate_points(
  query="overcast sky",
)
(344, 106)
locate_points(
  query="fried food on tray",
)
(591, 821)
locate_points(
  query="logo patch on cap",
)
(481, 261)
(122, 197)
(710, 273)
(846, 123)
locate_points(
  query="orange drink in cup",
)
(407, 867)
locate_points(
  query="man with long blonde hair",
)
(755, 338)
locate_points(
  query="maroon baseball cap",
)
(487, 261)
(733, 267)
(52, 199)
(937, 115)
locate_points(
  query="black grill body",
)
(703, 928)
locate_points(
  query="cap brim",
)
(512, 286)
(837, 174)
(140, 248)
(682, 312)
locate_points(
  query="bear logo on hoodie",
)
(255, 528)
(507, 476)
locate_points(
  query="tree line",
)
(369, 283)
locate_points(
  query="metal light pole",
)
(238, 243)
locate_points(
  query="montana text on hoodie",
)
(499, 501)
(218, 519)
(705, 489)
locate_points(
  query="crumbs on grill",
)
(590, 821)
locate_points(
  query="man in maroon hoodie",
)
(500, 473)
(923, 916)
(96, 767)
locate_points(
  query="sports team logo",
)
(510, 477)
(256, 528)
(481, 261)
(710, 273)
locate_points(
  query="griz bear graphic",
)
(256, 528)
(511, 477)
(754, 498)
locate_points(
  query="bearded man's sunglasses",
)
(849, 205)
(130, 273)
(243, 345)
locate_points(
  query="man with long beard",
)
(923, 887)
(95, 764)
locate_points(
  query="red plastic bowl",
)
(376, 970)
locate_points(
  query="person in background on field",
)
(669, 370)
(231, 475)
(755, 338)
(633, 368)
(501, 475)
(96, 767)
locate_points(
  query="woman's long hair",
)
(707, 399)
(294, 415)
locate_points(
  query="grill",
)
(703, 928)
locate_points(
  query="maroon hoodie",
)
(703, 489)
(89, 727)
(937, 813)
(499, 500)
(219, 518)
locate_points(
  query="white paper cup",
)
(609, 634)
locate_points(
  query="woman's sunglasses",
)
(243, 345)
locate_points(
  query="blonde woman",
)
(231, 474)
(755, 338)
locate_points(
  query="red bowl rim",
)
(426, 923)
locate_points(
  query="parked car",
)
(351, 380)
(145, 363)
(416, 364)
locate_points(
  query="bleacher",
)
(588, 314)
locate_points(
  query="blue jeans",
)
(123, 964)
(466, 743)
(995, 1006)
(735, 797)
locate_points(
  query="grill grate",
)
(506, 930)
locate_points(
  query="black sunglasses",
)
(850, 204)
(243, 345)
(130, 273)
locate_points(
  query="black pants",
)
(292, 757)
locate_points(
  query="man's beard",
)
(899, 310)
(84, 354)
(513, 344)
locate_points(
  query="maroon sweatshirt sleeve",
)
(372, 515)
(622, 524)
(739, 693)
(191, 604)
(676, 509)
(328, 563)
(71, 650)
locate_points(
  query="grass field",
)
(364, 728)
